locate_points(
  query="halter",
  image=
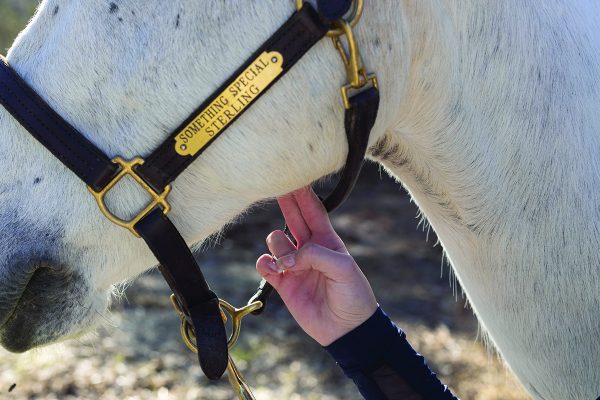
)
(201, 311)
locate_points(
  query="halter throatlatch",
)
(202, 312)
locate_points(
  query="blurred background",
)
(137, 353)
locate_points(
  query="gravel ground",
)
(137, 352)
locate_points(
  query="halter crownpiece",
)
(201, 311)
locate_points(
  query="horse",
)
(489, 118)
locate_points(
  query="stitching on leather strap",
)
(25, 93)
(58, 120)
(29, 127)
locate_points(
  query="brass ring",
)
(355, 15)
(188, 336)
(236, 314)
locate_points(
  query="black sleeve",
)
(381, 362)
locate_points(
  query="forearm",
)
(381, 362)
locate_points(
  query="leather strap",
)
(359, 121)
(182, 273)
(66, 143)
(295, 37)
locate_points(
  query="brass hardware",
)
(230, 103)
(355, 71)
(346, 89)
(355, 15)
(242, 390)
(127, 168)
(351, 59)
(185, 329)
(237, 382)
(237, 314)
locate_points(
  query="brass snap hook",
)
(355, 71)
(351, 59)
(237, 314)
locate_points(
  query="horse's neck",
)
(497, 138)
(498, 144)
(499, 117)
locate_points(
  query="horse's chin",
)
(52, 308)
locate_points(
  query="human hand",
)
(324, 289)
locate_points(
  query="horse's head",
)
(126, 76)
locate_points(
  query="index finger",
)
(313, 212)
(294, 218)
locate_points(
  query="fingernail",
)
(273, 266)
(287, 261)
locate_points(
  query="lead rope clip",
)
(356, 73)
(236, 380)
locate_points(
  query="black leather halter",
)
(177, 264)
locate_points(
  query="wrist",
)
(365, 344)
(348, 320)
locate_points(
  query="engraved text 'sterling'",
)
(229, 104)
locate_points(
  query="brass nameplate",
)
(229, 104)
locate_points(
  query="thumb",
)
(334, 265)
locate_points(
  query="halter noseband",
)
(199, 307)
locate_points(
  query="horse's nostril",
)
(14, 279)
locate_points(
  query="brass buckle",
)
(127, 169)
(358, 7)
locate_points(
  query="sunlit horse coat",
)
(490, 118)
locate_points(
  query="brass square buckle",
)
(127, 169)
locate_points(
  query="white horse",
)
(490, 117)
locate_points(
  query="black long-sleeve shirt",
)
(381, 362)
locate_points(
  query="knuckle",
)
(310, 249)
(310, 246)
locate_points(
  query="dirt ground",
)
(137, 352)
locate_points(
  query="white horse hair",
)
(490, 117)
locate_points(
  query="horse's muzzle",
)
(30, 297)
